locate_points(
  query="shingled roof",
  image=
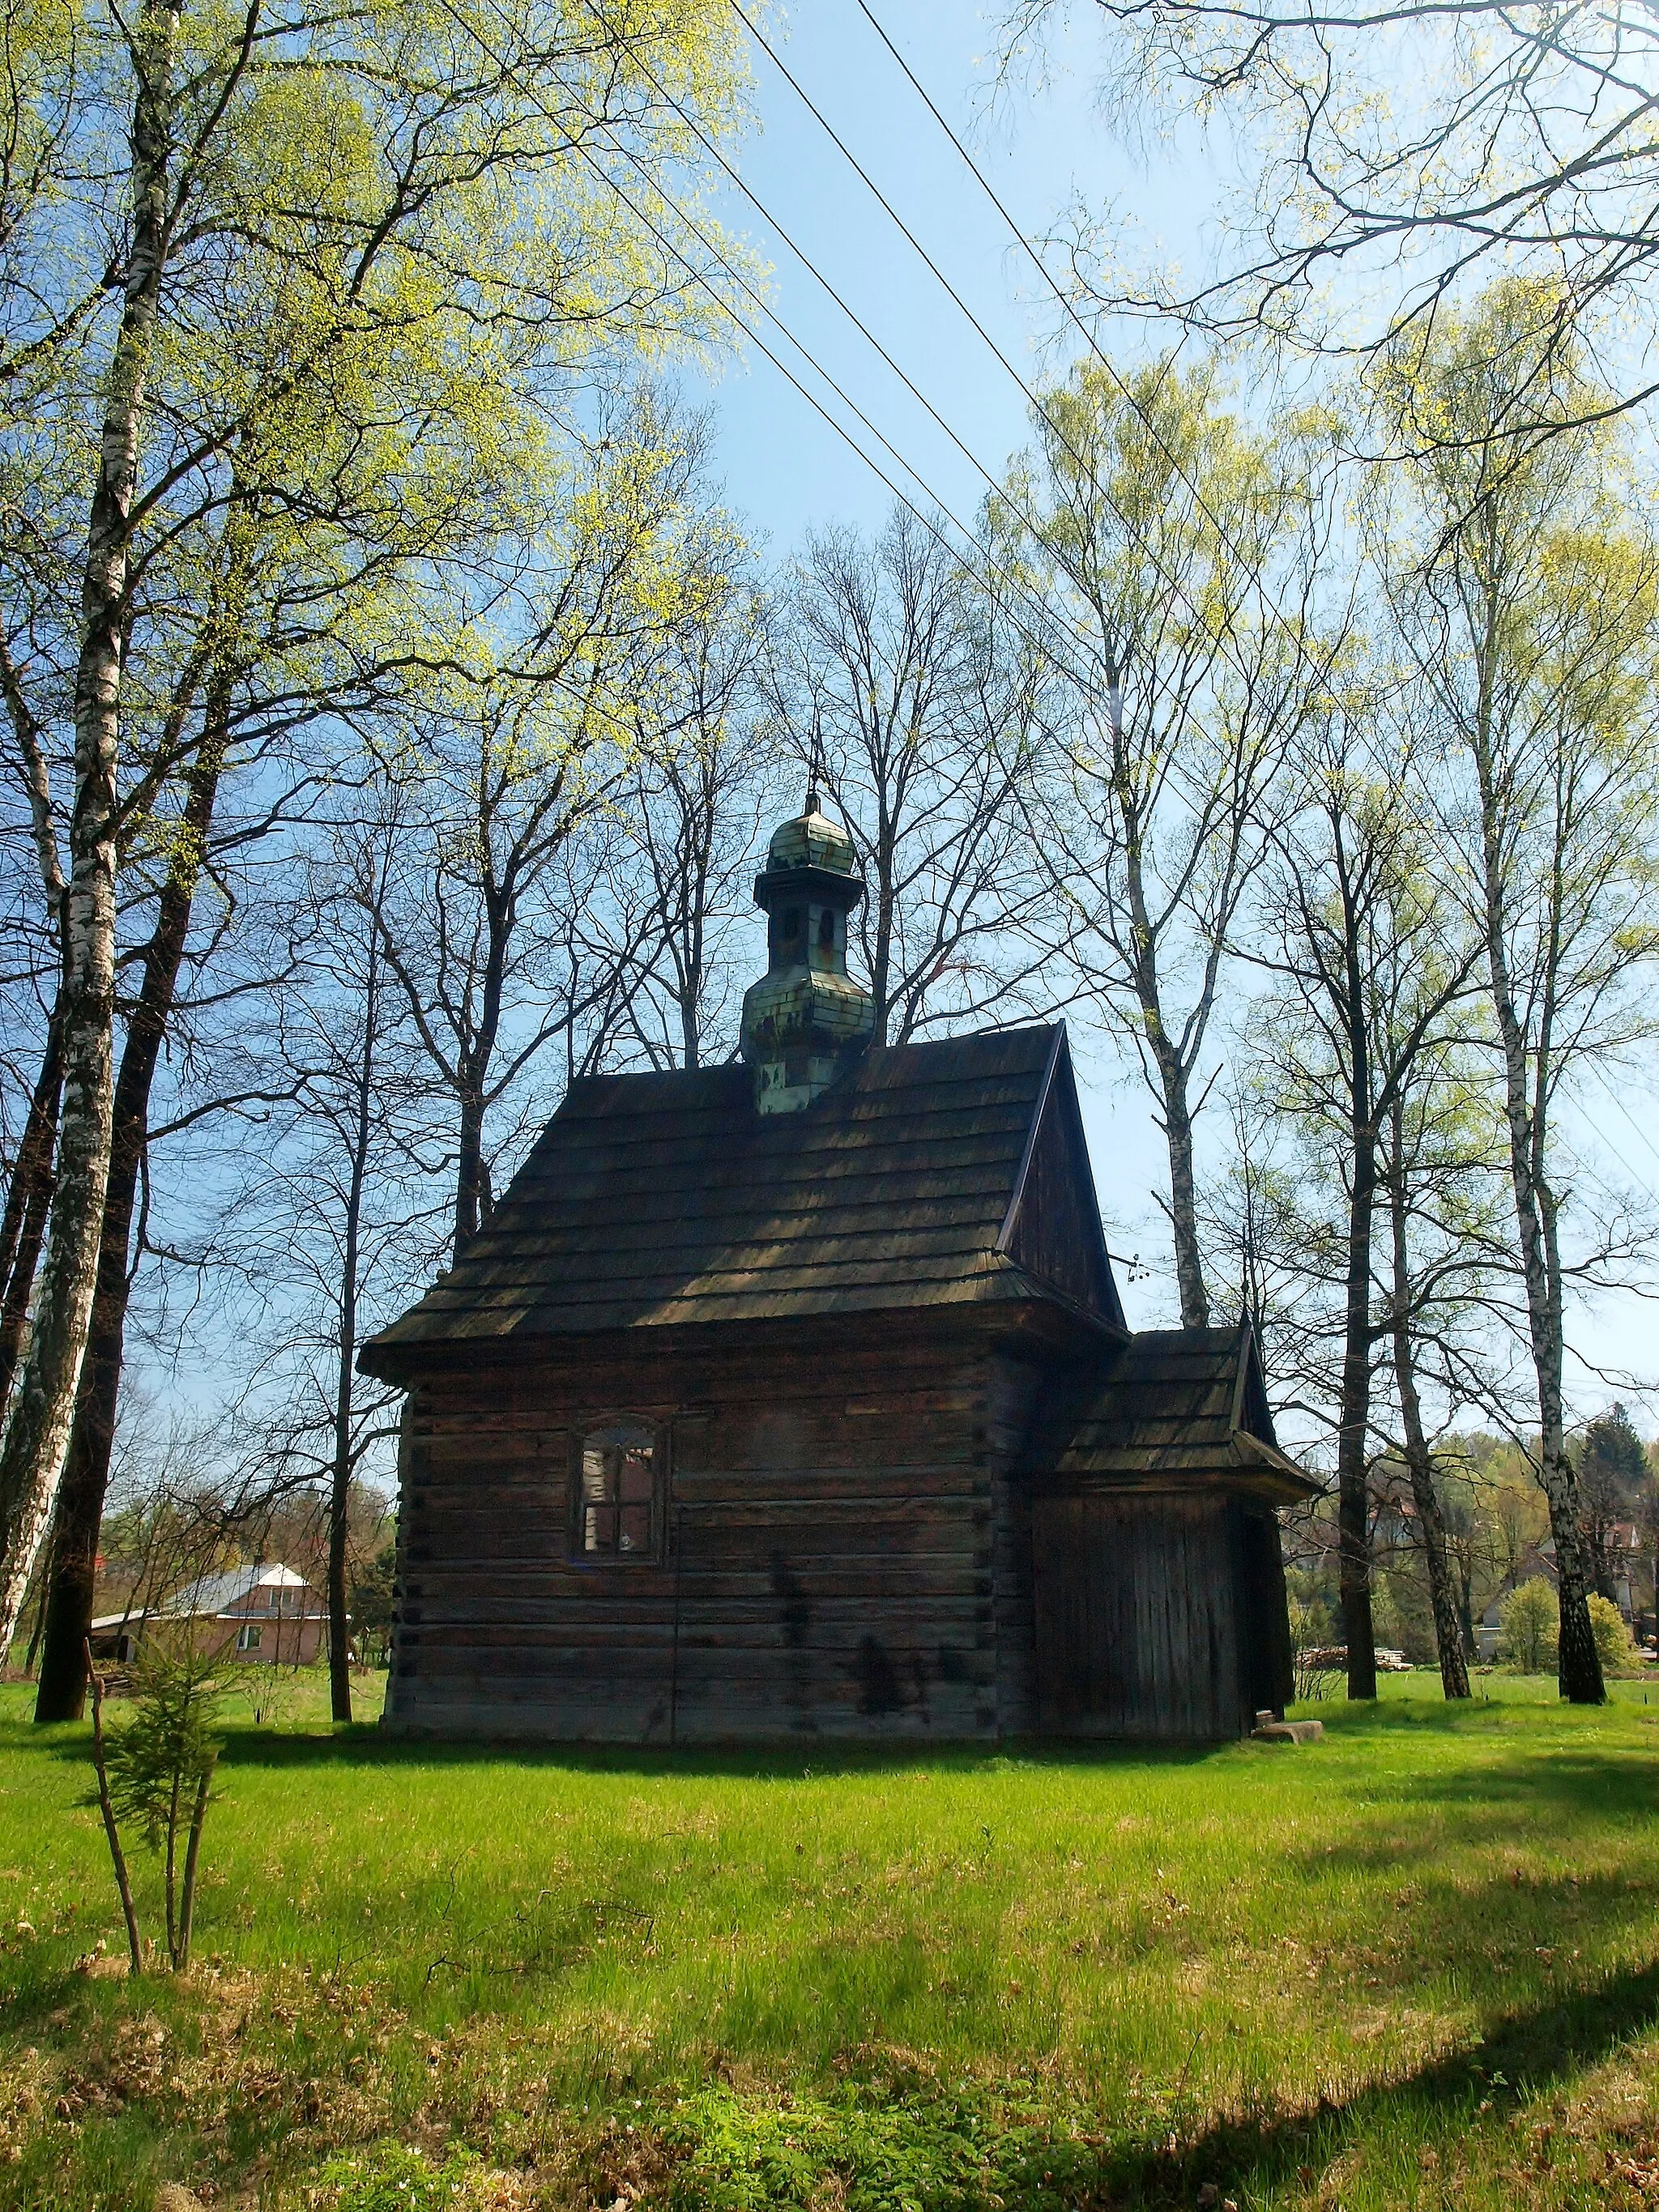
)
(1177, 1405)
(938, 1174)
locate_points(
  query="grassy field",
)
(1417, 1964)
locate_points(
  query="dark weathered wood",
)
(1178, 1405)
(1051, 1229)
(832, 1565)
(1137, 1617)
(663, 1201)
(914, 1478)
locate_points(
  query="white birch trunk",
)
(1526, 1094)
(36, 1439)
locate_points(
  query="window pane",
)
(616, 1501)
(635, 1527)
(635, 1475)
(598, 1476)
(599, 1528)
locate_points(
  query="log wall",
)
(846, 1553)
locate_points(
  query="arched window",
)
(618, 1492)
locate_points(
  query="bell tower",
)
(807, 1016)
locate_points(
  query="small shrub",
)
(1529, 1626)
(390, 2178)
(155, 1772)
(271, 1694)
(926, 2151)
(1614, 1647)
(1320, 1672)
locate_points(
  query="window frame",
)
(582, 1434)
(249, 1637)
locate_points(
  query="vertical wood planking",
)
(1137, 1616)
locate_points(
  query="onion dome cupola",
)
(806, 1018)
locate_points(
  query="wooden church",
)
(794, 1399)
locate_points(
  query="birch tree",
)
(1527, 597)
(1165, 533)
(418, 197)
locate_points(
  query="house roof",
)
(213, 1595)
(1178, 1405)
(932, 1175)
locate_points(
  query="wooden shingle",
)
(1179, 1407)
(665, 1200)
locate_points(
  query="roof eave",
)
(1265, 1460)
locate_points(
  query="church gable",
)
(1253, 1415)
(1051, 1230)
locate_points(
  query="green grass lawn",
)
(1417, 1964)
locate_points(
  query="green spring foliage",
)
(391, 2177)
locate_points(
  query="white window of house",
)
(247, 1639)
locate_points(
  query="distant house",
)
(1537, 1563)
(266, 1615)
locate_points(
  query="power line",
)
(764, 306)
(864, 330)
(1223, 648)
(1641, 1181)
(1041, 268)
(1032, 398)
(1046, 614)
(1628, 1115)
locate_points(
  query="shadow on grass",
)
(363, 1746)
(1616, 1783)
(1520, 2054)
(769, 1762)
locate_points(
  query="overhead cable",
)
(715, 152)
(1041, 268)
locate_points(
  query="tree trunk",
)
(29, 1195)
(192, 1855)
(1183, 1186)
(112, 1833)
(37, 1428)
(1353, 1425)
(690, 1025)
(69, 1600)
(1173, 1071)
(1354, 1409)
(339, 1495)
(24, 1227)
(1419, 1468)
(469, 1168)
(1525, 1095)
(1466, 1610)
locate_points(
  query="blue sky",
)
(783, 463)
(785, 468)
